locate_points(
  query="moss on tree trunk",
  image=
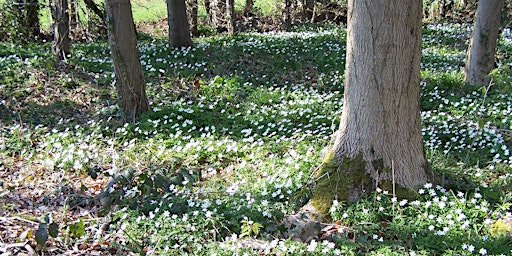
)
(346, 179)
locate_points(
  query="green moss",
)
(343, 180)
(400, 191)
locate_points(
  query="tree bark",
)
(179, 29)
(60, 47)
(33, 18)
(94, 8)
(248, 6)
(73, 14)
(230, 16)
(309, 9)
(379, 141)
(287, 16)
(192, 15)
(125, 56)
(208, 9)
(482, 48)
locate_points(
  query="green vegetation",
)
(235, 132)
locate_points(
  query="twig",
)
(30, 250)
(4, 219)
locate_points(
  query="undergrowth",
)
(237, 126)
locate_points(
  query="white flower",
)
(483, 251)
(312, 246)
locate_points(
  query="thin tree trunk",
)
(208, 9)
(309, 8)
(179, 28)
(73, 14)
(248, 6)
(482, 47)
(379, 141)
(91, 5)
(214, 13)
(125, 56)
(230, 16)
(60, 47)
(193, 7)
(287, 16)
(33, 18)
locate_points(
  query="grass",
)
(208, 168)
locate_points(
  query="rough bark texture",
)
(482, 48)
(179, 28)
(125, 56)
(60, 47)
(379, 142)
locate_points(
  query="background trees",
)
(482, 49)
(179, 28)
(60, 47)
(125, 56)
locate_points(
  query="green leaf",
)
(77, 229)
(53, 229)
(41, 234)
(256, 228)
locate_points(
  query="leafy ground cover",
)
(236, 128)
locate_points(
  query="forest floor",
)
(236, 128)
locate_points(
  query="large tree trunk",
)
(482, 48)
(179, 29)
(125, 56)
(379, 142)
(60, 47)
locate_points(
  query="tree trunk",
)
(379, 141)
(33, 18)
(248, 6)
(192, 15)
(287, 16)
(482, 48)
(179, 29)
(73, 19)
(208, 9)
(125, 56)
(91, 5)
(60, 47)
(309, 9)
(230, 16)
